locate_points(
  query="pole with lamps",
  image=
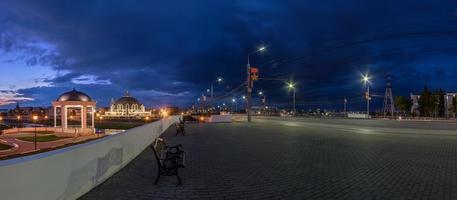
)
(218, 80)
(18, 119)
(236, 105)
(249, 82)
(35, 118)
(263, 100)
(291, 86)
(366, 81)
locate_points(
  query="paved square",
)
(307, 159)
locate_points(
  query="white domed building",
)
(127, 107)
(74, 106)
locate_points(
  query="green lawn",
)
(5, 146)
(45, 138)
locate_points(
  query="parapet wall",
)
(70, 172)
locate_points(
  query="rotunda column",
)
(55, 116)
(63, 116)
(84, 117)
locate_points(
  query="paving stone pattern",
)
(266, 160)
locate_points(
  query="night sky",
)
(168, 52)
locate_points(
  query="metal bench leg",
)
(157, 178)
(179, 179)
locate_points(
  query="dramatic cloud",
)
(11, 97)
(169, 52)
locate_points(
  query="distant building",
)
(447, 104)
(26, 113)
(126, 107)
(415, 106)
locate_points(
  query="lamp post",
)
(47, 122)
(249, 82)
(234, 102)
(264, 101)
(366, 81)
(18, 119)
(146, 119)
(218, 80)
(35, 118)
(291, 86)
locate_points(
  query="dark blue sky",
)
(168, 52)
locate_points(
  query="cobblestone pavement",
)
(297, 160)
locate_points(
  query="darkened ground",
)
(307, 159)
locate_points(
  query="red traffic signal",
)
(254, 73)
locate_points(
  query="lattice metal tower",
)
(388, 97)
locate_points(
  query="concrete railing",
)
(70, 172)
(52, 129)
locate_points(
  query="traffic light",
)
(254, 73)
(367, 95)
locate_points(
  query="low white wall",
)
(220, 118)
(70, 172)
(358, 116)
(44, 128)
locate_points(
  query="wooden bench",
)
(169, 159)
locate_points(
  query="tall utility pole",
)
(368, 99)
(218, 80)
(388, 97)
(250, 83)
(345, 102)
(366, 80)
(295, 110)
(291, 85)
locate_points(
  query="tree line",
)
(430, 104)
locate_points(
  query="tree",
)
(453, 109)
(427, 103)
(440, 102)
(403, 104)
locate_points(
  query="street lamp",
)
(35, 118)
(218, 80)
(18, 118)
(249, 83)
(234, 102)
(291, 86)
(366, 81)
(264, 99)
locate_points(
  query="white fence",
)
(358, 116)
(70, 172)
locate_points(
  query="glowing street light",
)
(35, 118)
(236, 105)
(249, 83)
(291, 86)
(218, 80)
(366, 81)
